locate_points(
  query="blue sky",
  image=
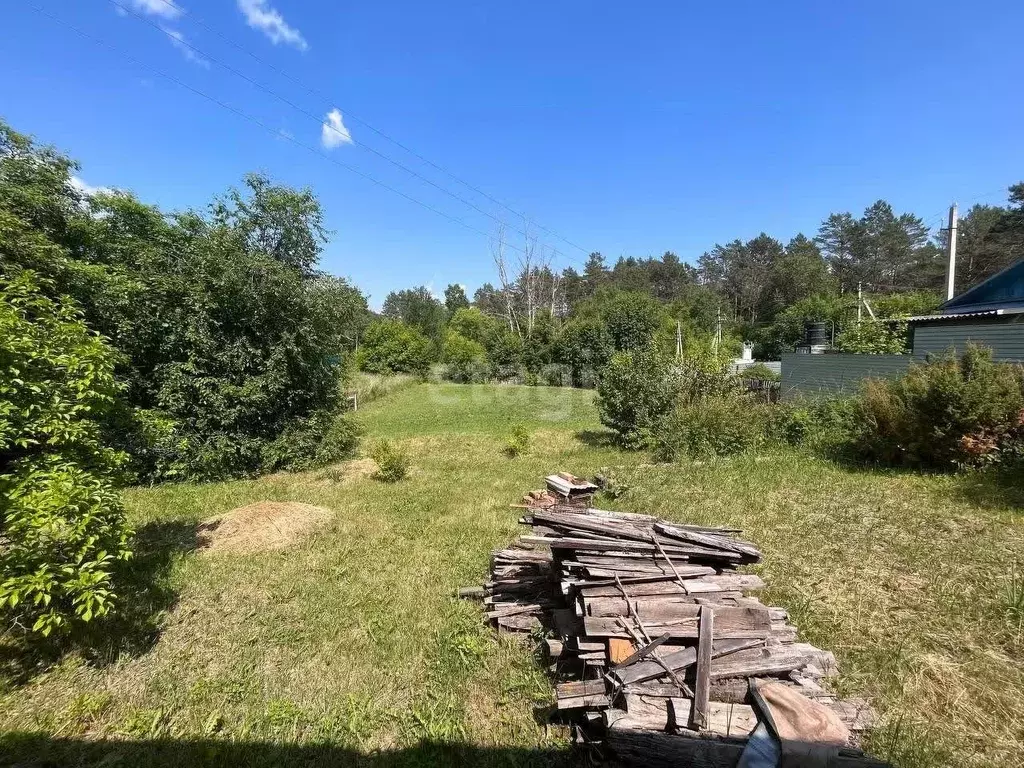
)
(629, 129)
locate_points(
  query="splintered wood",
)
(650, 628)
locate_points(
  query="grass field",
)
(349, 648)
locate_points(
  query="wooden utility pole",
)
(951, 266)
(679, 341)
(860, 301)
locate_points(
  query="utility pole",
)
(679, 340)
(860, 301)
(951, 266)
(718, 330)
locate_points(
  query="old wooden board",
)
(704, 646)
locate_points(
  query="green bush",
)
(63, 530)
(943, 413)
(714, 426)
(322, 439)
(824, 424)
(874, 338)
(555, 375)
(518, 441)
(392, 462)
(391, 346)
(465, 360)
(760, 372)
(505, 354)
(584, 346)
(635, 392)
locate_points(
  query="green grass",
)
(349, 647)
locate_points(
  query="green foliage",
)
(465, 360)
(874, 338)
(712, 426)
(324, 438)
(455, 298)
(759, 371)
(585, 346)
(632, 319)
(64, 533)
(635, 392)
(517, 441)
(227, 336)
(473, 324)
(943, 413)
(391, 460)
(416, 307)
(823, 424)
(391, 346)
(505, 354)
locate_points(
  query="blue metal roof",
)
(1001, 291)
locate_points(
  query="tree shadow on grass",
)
(996, 488)
(145, 594)
(598, 438)
(37, 750)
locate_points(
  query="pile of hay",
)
(262, 526)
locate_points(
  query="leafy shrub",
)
(391, 346)
(473, 324)
(64, 533)
(632, 319)
(636, 391)
(874, 338)
(465, 360)
(518, 441)
(322, 439)
(759, 371)
(943, 413)
(714, 426)
(505, 354)
(392, 462)
(824, 424)
(555, 375)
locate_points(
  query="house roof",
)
(1003, 290)
(960, 315)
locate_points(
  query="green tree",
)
(466, 359)
(455, 298)
(473, 324)
(632, 319)
(416, 307)
(584, 345)
(391, 346)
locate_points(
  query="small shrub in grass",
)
(517, 442)
(717, 426)
(942, 414)
(823, 424)
(392, 462)
(635, 392)
(760, 372)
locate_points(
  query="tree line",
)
(561, 326)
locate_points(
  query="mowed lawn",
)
(350, 648)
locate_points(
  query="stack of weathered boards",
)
(650, 629)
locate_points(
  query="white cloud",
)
(261, 16)
(88, 190)
(164, 8)
(178, 41)
(333, 132)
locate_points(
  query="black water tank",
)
(817, 334)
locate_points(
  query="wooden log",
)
(701, 692)
(660, 750)
(472, 591)
(731, 623)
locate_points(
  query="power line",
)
(260, 123)
(319, 121)
(326, 97)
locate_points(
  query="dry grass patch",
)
(262, 526)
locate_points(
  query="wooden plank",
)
(642, 652)
(701, 693)
(618, 545)
(619, 650)
(723, 583)
(575, 689)
(731, 623)
(665, 750)
(684, 657)
(758, 662)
